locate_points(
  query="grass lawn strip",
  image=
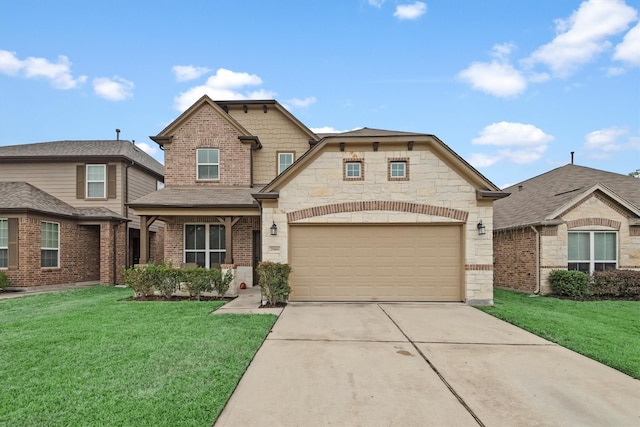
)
(84, 357)
(606, 331)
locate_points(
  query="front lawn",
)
(606, 331)
(85, 357)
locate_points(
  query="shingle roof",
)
(24, 196)
(194, 196)
(531, 201)
(374, 132)
(96, 148)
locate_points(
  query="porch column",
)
(145, 223)
(228, 222)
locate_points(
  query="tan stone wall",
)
(277, 134)
(207, 129)
(432, 183)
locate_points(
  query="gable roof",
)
(545, 197)
(80, 150)
(22, 196)
(485, 188)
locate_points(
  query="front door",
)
(257, 255)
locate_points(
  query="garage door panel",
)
(375, 262)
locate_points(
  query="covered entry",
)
(381, 262)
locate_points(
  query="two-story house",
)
(367, 215)
(64, 215)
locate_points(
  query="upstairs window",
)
(49, 245)
(591, 251)
(353, 170)
(4, 243)
(96, 182)
(284, 161)
(208, 160)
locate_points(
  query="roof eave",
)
(491, 195)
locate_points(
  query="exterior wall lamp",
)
(274, 229)
(482, 230)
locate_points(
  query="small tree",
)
(274, 282)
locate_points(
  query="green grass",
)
(84, 357)
(606, 331)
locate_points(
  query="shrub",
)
(166, 279)
(219, 282)
(574, 284)
(4, 280)
(196, 281)
(137, 279)
(274, 282)
(616, 283)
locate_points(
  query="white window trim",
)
(346, 172)
(103, 181)
(404, 169)
(6, 221)
(293, 159)
(207, 251)
(592, 249)
(57, 249)
(198, 164)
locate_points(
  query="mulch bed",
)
(177, 298)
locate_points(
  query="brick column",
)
(107, 253)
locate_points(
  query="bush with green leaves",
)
(197, 280)
(616, 283)
(137, 278)
(4, 280)
(274, 282)
(220, 282)
(574, 284)
(166, 279)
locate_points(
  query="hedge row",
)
(602, 284)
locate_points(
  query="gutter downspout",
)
(537, 291)
(126, 213)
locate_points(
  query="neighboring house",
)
(572, 217)
(63, 214)
(368, 215)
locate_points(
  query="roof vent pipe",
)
(117, 134)
(572, 156)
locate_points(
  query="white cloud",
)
(410, 11)
(608, 139)
(629, 49)
(113, 89)
(512, 134)
(147, 148)
(375, 3)
(224, 85)
(583, 35)
(301, 103)
(58, 73)
(494, 78)
(480, 160)
(188, 72)
(330, 129)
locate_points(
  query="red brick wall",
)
(207, 129)
(242, 238)
(514, 253)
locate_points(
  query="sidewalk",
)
(247, 302)
(15, 292)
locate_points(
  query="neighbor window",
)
(208, 163)
(49, 245)
(204, 244)
(591, 251)
(353, 169)
(4, 243)
(96, 181)
(284, 161)
(398, 170)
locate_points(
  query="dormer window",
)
(208, 168)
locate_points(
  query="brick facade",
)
(514, 253)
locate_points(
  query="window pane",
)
(216, 258)
(398, 169)
(353, 170)
(49, 235)
(208, 156)
(194, 237)
(207, 172)
(4, 233)
(95, 172)
(579, 266)
(4, 258)
(604, 246)
(216, 237)
(579, 246)
(604, 266)
(284, 161)
(95, 189)
(48, 258)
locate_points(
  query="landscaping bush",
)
(197, 280)
(219, 282)
(274, 282)
(4, 280)
(616, 283)
(166, 279)
(574, 284)
(137, 278)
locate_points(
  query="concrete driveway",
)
(421, 365)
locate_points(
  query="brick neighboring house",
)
(63, 213)
(572, 217)
(368, 215)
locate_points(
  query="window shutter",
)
(80, 170)
(111, 181)
(13, 243)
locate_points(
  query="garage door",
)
(375, 262)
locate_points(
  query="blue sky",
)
(511, 86)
